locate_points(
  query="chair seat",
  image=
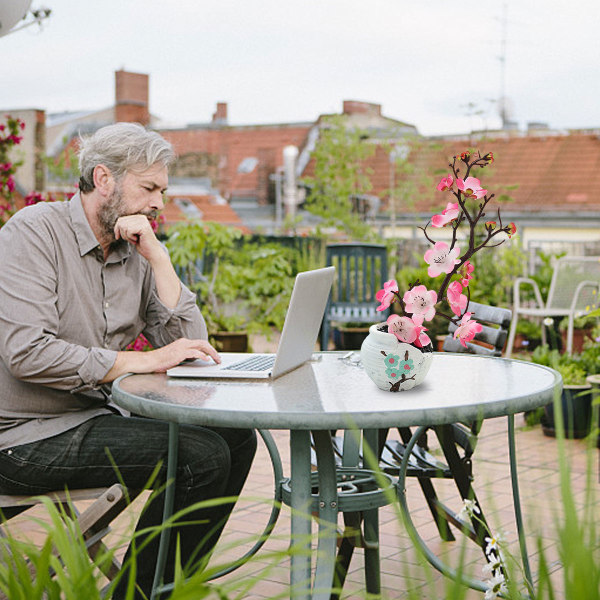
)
(58, 496)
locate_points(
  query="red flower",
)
(511, 229)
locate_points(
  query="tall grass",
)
(59, 567)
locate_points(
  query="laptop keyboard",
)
(254, 363)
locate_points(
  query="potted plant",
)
(397, 354)
(350, 336)
(582, 331)
(576, 394)
(528, 337)
(242, 288)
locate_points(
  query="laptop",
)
(297, 342)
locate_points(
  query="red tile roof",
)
(209, 208)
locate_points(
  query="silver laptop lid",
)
(303, 319)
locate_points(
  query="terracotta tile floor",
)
(400, 563)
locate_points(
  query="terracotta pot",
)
(579, 337)
(393, 365)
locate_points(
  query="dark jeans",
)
(212, 463)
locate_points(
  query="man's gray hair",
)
(121, 147)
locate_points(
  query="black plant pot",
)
(349, 338)
(576, 403)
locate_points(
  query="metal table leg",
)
(300, 578)
(328, 511)
(165, 534)
(517, 499)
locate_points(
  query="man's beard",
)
(109, 213)
(112, 210)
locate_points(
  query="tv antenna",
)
(503, 108)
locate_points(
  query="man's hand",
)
(161, 359)
(183, 349)
(136, 230)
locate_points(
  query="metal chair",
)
(457, 441)
(361, 270)
(94, 521)
(573, 293)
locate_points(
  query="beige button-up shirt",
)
(64, 315)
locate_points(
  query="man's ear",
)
(103, 180)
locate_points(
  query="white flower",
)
(493, 543)
(469, 509)
(494, 564)
(495, 587)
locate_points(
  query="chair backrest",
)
(569, 272)
(361, 270)
(490, 341)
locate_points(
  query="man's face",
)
(137, 192)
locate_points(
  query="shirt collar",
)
(86, 240)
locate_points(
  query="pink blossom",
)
(456, 299)
(10, 184)
(448, 214)
(465, 272)
(403, 328)
(467, 329)
(422, 338)
(386, 295)
(445, 183)
(471, 187)
(421, 301)
(441, 259)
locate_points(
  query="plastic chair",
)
(361, 270)
(573, 293)
(94, 521)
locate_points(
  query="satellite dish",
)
(11, 12)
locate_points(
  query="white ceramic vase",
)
(393, 365)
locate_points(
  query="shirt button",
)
(106, 305)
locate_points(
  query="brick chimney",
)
(356, 107)
(131, 97)
(220, 115)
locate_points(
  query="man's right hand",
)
(183, 349)
(161, 359)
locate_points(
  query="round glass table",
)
(333, 392)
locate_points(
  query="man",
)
(80, 280)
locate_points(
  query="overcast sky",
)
(278, 61)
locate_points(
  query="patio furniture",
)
(573, 293)
(94, 521)
(361, 270)
(333, 392)
(456, 440)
